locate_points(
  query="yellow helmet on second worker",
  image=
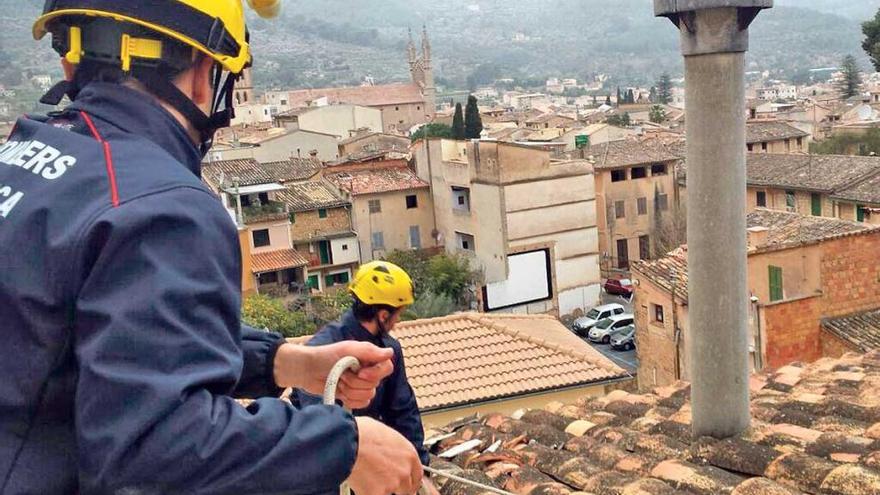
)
(216, 28)
(383, 283)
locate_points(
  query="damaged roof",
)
(471, 358)
(758, 132)
(860, 330)
(376, 180)
(815, 430)
(790, 229)
(616, 154)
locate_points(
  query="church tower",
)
(244, 89)
(422, 71)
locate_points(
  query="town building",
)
(837, 186)
(802, 271)
(392, 208)
(269, 144)
(595, 134)
(636, 198)
(403, 105)
(337, 120)
(321, 229)
(526, 218)
(372, 142)
(775, 137)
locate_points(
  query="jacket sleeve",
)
(402, 412)
(158, 347)
(258, 375)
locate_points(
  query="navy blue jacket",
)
(119, 316)
(395, 403)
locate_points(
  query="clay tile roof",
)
(629, 152)
(377, 180)
(825, 173)
(247, 170)
(862, 330)
(471, 358)
(368, 96)
(758, 132)
(307, 196)
(667, 271)
(274, 261)
(294, 169)
(866, 192)
(815, 430)
(790, 229)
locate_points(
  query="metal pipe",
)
(714, 39)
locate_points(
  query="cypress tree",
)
(458, 131)
(473, 123)
(664, 89)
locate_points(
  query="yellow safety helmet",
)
(216, 28)
(383, 283)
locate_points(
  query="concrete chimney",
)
(714, 39)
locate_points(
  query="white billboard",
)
(529, 281)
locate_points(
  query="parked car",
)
(601, 332)
(621, 287)
(583, 324)
(624, 339)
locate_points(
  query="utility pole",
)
(714, 39)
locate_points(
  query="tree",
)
(619, 97)
(473, 123)
(608, 100)
(619, 120)
(657, 114)
(871, 43)
(652, 95)
(849, 144)
(851, 79)
(430, 305)
(443, 275)
(260, 311)
(664, 89)
(433, 130)
(630, 97)
(458, 123)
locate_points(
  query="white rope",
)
(351, 363)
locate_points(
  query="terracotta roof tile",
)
(862, 330)
(825, 173)
(757, 132)
(629, 152)
(248, 171)
(294, 169)
(790, 229)
(274, 261)
(607, 448)
(308, 196)
(388, 94)
(376, 180)
(470, 358)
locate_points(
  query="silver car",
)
(603, 330)
(583, 324)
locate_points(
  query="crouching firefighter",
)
(123, 350)
(380, 291)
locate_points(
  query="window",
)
(465, 241)
(639, 173)
(292, 217)
(396, 109)
(461, 199)
(378, 241)
(657, 315)
(662, 202)
(623, 254)
(322, 213)
(618, 175)
(763, 146)
(816, 204)
(375, 206)
(619, 209)
(790, 200)
(313, 282)
(751, 147)
(345, 247)
(776, 288)
(261, 238)
(415, 237)
(619, 311)
(268, 278)
(860, 213)
(788, 145)
(761, 199)
(644, 247)
(412, 201)
(659, 169)
(643, 206)
(325, 252)
(800, 143)
(418, 108)
(264, 198)
(336, 279)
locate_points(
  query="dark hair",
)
(368, 312)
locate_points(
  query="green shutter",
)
(313, 282)
(322, 213)
(860, 213)
(776, 289)
(816, 200)
(328, 281)
(324, 248)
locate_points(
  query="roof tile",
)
(274, 261)
(376, 180)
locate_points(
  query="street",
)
(627, 360)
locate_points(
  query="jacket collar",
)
(358, 332)
(134, 112)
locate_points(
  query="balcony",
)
(273, 210)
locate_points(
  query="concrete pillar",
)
(714, 39)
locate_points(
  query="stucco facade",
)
(338, 120)
(287, 144)
(509, 199)
(394, 223)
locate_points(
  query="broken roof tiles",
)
(376, 180)
(308, 196)
(815, 430)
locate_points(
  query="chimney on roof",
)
(758, 237)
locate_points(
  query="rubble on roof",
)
(815, 430)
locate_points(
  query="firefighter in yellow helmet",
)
(120, 297)
(381, 291)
